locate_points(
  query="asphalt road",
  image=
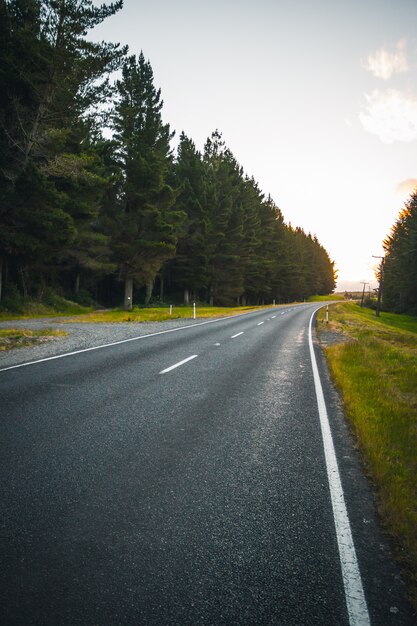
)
(135, 492)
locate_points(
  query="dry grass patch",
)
(23, 337)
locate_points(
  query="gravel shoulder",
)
(80, 336)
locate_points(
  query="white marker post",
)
(170, 309)
(327, 313)
(194, 310)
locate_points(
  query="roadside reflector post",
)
(170, 309)
(194, 310)
(327, 313)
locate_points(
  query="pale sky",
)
(316, 99)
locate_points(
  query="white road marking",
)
(273, 317)
(116, 343)
(172, 367)
(237, 335)
(355, 597)
(260, 323)
(217, 344)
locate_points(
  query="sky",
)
(317, 100)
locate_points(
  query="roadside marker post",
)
(327, 313)
(170, 309)
(194, 310)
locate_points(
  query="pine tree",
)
(54, 81)
(399, 278)
(145, 224)
(189, 268)
(271, 252)
(251, 200)
(225, 222)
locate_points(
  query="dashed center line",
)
(237, 335)
(273, 317)
(172, 367)
(260, 323)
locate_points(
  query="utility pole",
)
(363, 292)
(381, 271)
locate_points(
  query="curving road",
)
(180, 478)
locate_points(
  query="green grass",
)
(23, 337)
(331, 297)
(376, 372)
(160, 314)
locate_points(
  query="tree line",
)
(125, 217)
(399, 270)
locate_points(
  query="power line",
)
(378, 304)
(364, 283)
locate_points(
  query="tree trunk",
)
(149, 289)
(186, 296)
(161, 288)
(128, 294)
(23, 281)
(77, 284)
(1, 277)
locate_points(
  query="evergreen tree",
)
(145, 224)
(189, 268)
(54, 79)
(224, 233)
(272, 252)
(399, 278)
(251, 200)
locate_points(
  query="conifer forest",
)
(399, 269)
(96, 204)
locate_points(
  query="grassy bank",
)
(29, 309)
(376, 371)
(22, 337)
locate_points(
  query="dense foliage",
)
(399, 278)
(87, 216)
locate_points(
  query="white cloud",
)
(391, 115)
(383, 63)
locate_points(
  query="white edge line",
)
(115, 343)
(173, 367)
(354, 593)
(237, 335)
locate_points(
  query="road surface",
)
(182, 478)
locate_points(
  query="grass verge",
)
(375, 370)
(329, 298)
(160, 314)
(22, 337)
